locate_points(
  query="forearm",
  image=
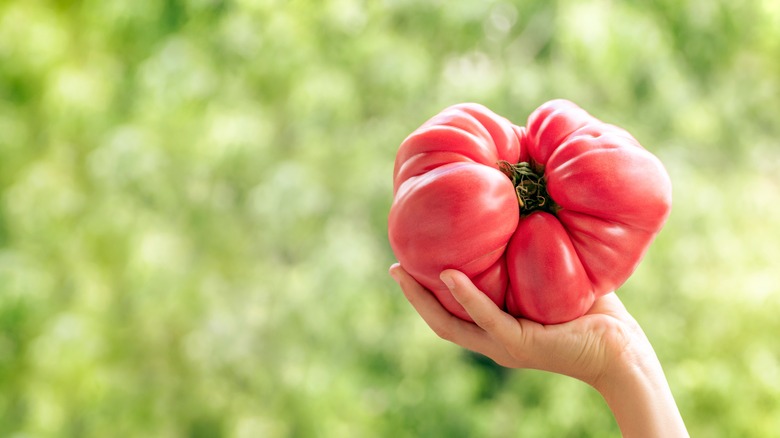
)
(642, 402)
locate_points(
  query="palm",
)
(584, 348)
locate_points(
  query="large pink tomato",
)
(543, 219)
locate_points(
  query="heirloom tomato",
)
(544, 218)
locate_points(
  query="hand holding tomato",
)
(544, 219)
(605, 348)
(584, 348)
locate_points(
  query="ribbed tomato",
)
(543, 220)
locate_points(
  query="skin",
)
(606, 348)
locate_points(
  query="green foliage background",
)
(193, 201)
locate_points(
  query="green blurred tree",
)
(193, 200)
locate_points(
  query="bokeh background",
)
(193, 202)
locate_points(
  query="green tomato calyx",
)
(530, 187)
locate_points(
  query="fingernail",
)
(447, 279)
(394, 272)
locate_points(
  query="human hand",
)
(584, 348)
(605, 348)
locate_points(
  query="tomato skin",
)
(608, 199)
(453, 208)
(548, 282)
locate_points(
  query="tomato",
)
(543, 219)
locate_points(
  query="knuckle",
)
(489, 323)
(526, 339)
(443, 333)
(521, 344)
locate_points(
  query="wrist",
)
(639, 396)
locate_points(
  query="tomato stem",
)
(530, 187)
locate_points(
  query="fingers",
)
(611, 305)
(497, 323)
(443, 323)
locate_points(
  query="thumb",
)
(480, 307)
(461, 286)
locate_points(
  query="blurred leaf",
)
(193, 203)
